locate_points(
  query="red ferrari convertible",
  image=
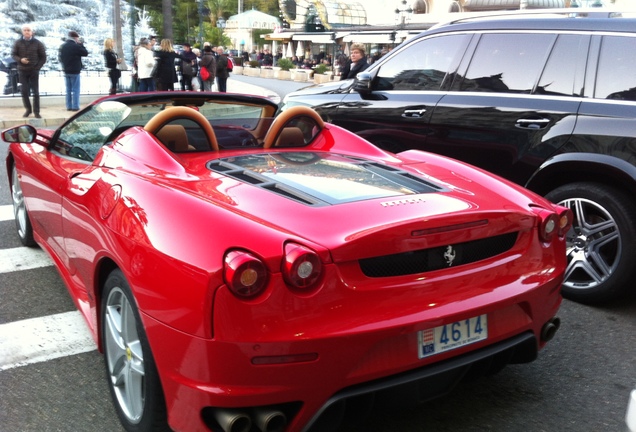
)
(247, 273)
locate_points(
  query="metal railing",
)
(92, 82)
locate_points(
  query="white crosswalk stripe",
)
(6, 213)
(23, 258)
(40, 339)
(43, 338)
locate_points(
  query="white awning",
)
(282, 36)
(370, 38)
(319, 38)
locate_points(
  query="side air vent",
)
(426, 260)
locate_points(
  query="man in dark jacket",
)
(30, 55)
(357, 62)
(222, 73)
(188, 67)
(71, 53)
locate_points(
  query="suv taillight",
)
(301, 266)
(244, 274)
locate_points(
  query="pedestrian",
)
(166, 71)
(145, 66)
(188, 67)
(197, 83)
(222, 73)
(112, 62)
(30, 55)
(357, 62)
(208, 62)
(70, 57)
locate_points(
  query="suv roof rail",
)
(536, 13)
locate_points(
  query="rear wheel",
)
(22, 221)
(601, 244)
(131, 372)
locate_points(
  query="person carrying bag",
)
(207, 68)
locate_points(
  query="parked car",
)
(244, 273)
(547, 101)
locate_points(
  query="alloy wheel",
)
(124, 356)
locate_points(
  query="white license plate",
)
(450, 336)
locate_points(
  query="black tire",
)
(131, 372)
(601, 244)
(20, 213)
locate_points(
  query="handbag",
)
(205, 73)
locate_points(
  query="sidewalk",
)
(54, 113)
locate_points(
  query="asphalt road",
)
(580, 382)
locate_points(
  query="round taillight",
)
(301, 266)
(549, 226)
(244, 274)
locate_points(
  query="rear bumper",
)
(348, 369)
(428, 382)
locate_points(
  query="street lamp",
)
(403, 14)
(201, 24)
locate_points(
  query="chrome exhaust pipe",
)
(549, 329)
(232, 420)
(269, 420)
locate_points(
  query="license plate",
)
(450, 336)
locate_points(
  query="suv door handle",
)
(416, 113)
(532, 123)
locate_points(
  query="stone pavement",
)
(54, 113)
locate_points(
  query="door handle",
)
(532, 123)
(416, 113)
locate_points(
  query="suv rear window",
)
(508, 63)
(616, 77)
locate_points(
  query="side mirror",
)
(362, 83)
(20, 134)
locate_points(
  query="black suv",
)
(547, 101)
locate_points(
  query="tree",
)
(166, 9)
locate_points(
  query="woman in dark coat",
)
(166, 72)
(111, 60)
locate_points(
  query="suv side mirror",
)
(362, 83)
(20, 134)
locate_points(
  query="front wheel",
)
(20, 213)
(601, 243)
(131, 372)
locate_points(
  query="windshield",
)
(85, 135)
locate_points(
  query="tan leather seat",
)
(174, 137)
(290, 137)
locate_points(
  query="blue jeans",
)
(72, 91)
(147, 85)
(221, 82)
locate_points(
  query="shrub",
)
(320, 69)
(255, 64)
(285, 64)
